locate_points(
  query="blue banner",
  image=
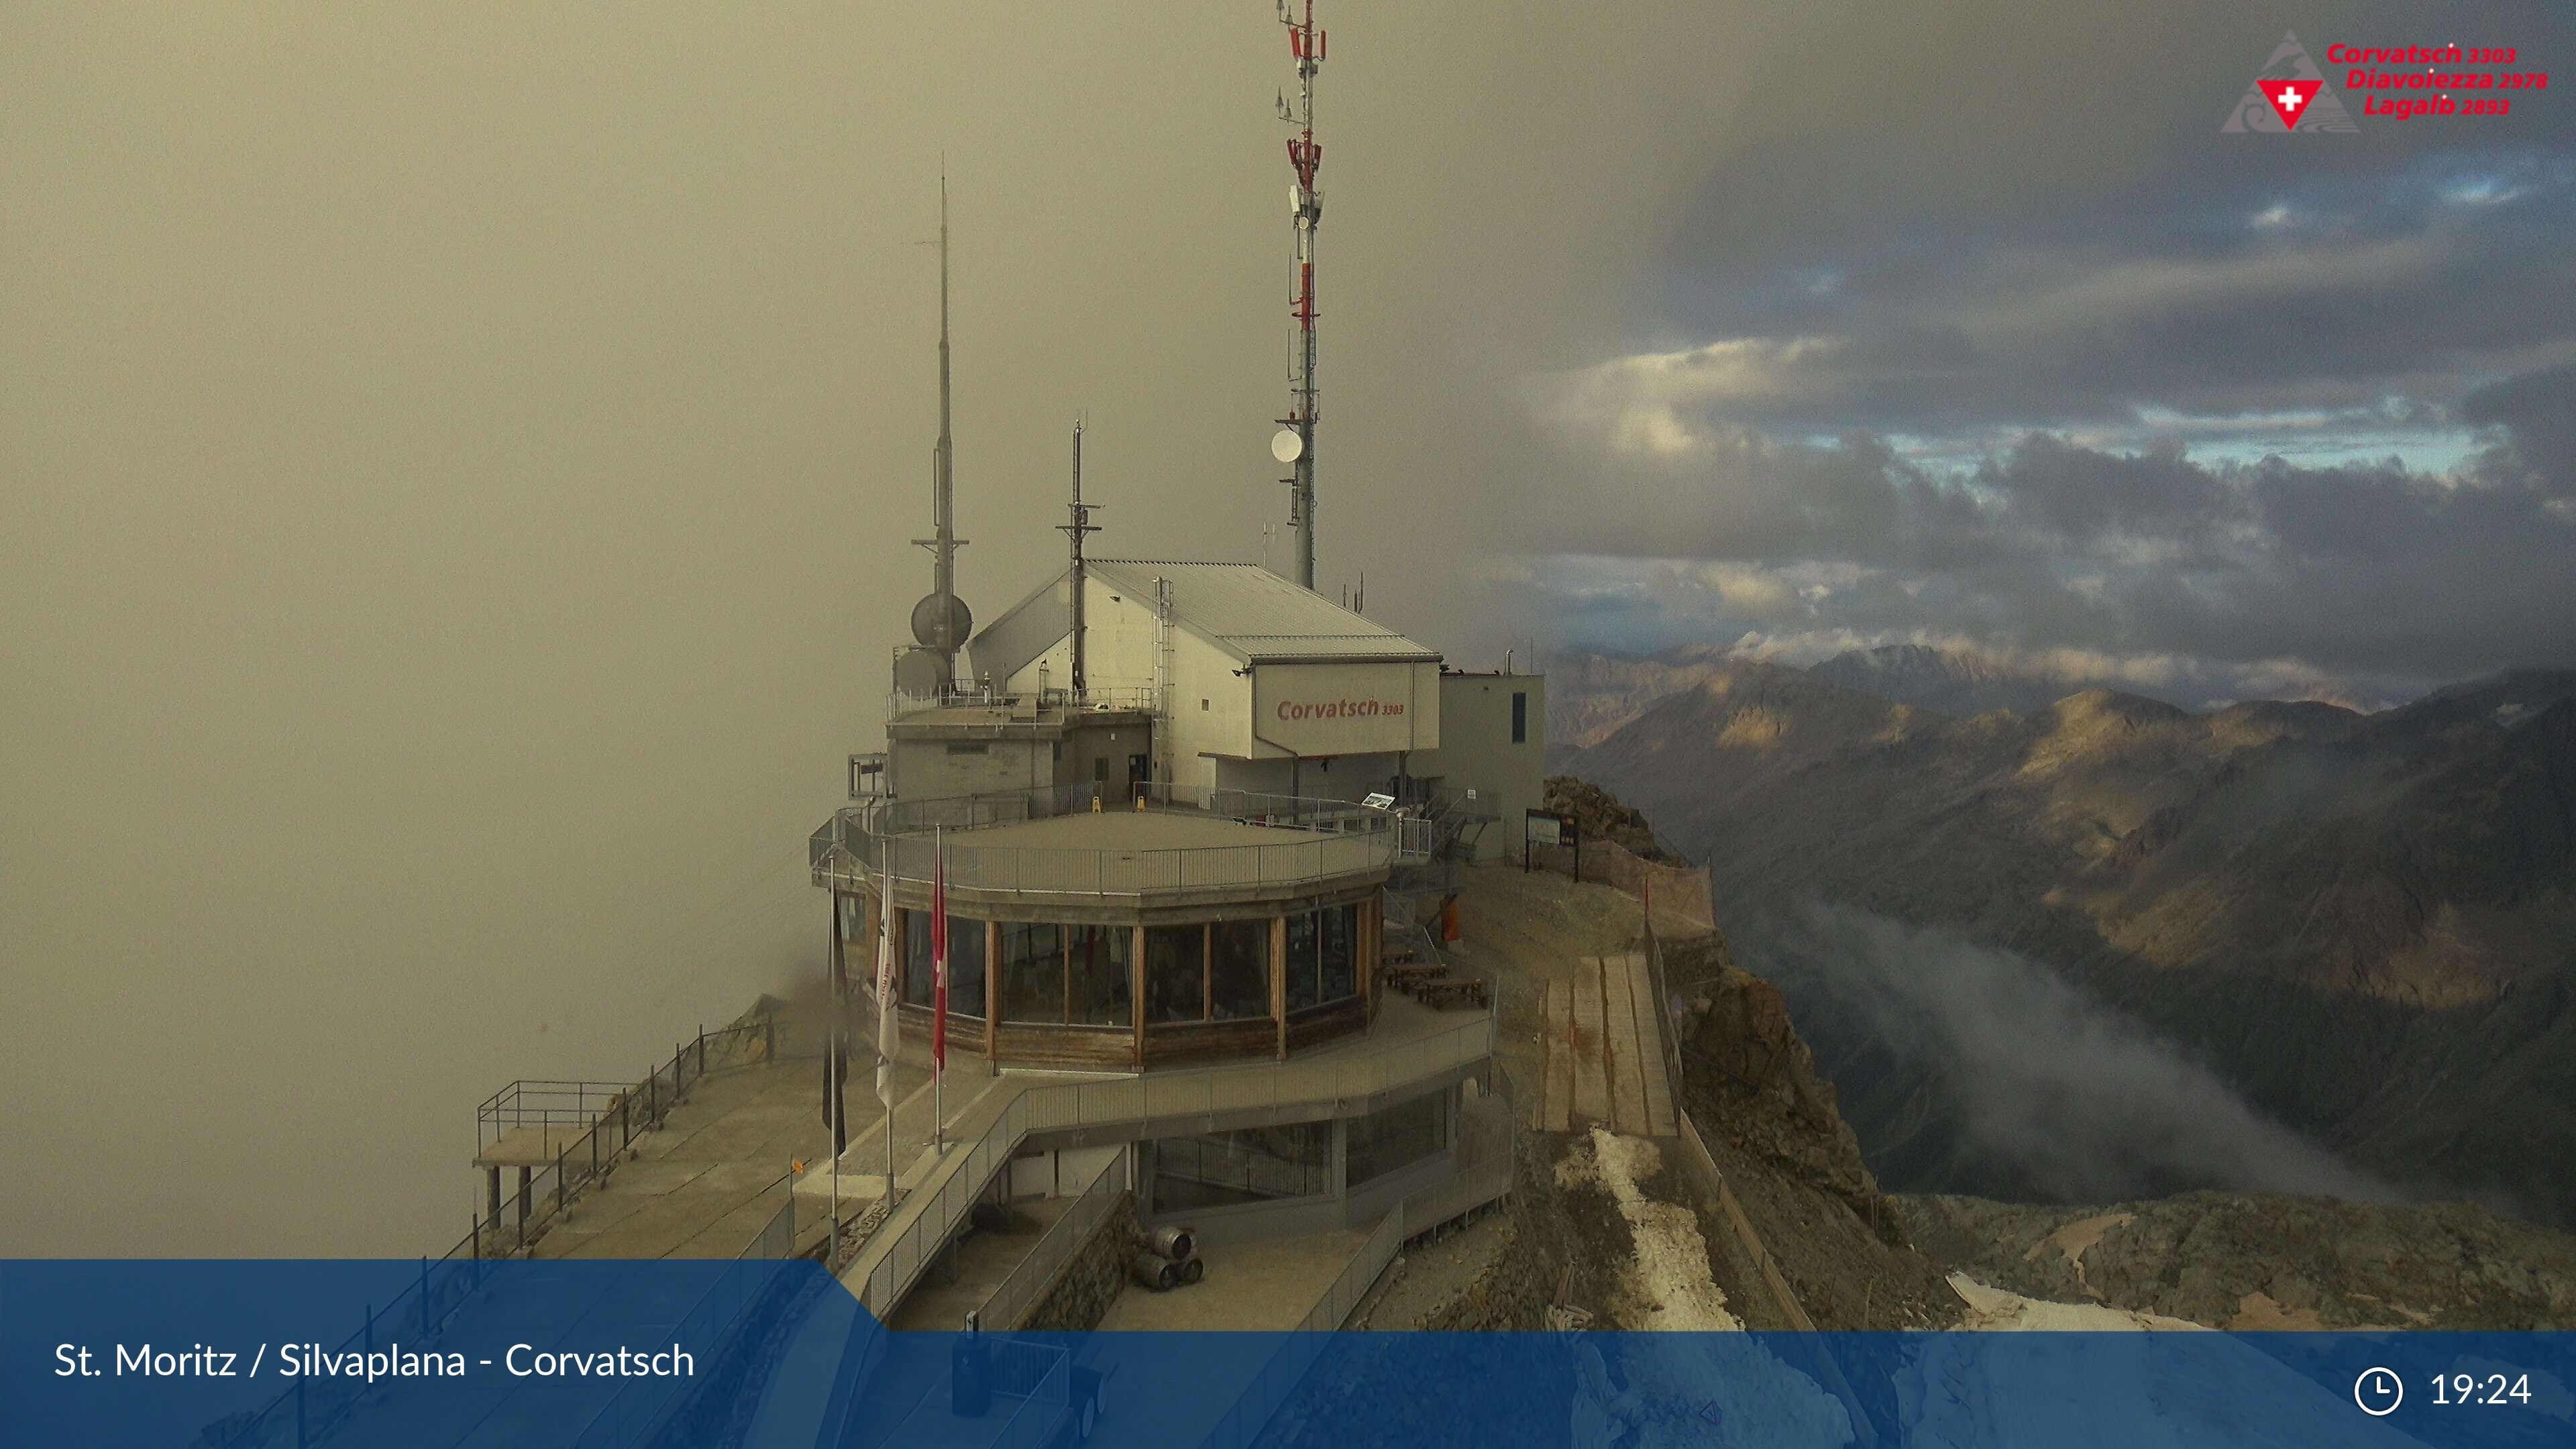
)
(605, 1355)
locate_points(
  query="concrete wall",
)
(933, 769)
(1097, 752)
(1211, 706)
(1060, 1173)
(1477, 750)
(1343, 777)
(1092, 1281)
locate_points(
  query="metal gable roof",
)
(1256, 615)
(1026, 630)
(1244, 609)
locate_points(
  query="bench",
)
(1442, 994)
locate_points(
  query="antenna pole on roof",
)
(941, 621)
(943, 511)
(1306, 212)
(1081, 525)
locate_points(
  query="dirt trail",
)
(1668, 1280)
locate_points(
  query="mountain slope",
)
(2360, 924)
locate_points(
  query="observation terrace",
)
(1160, 846)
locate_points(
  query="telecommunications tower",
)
(941, 622)
(1295, 443)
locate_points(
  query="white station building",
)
(1261, 685)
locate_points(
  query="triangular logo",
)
(2289, 97)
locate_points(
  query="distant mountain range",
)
(1591, 695)
(1953, 681)
(2361, 925)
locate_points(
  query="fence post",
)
(560, 1203)
(702, 1049)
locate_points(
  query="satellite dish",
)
(942, 628)
(1287, 446)
(917, 672)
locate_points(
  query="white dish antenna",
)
(1286, 445)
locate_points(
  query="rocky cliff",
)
(2363, 926)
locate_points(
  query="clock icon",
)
(2378, 1391)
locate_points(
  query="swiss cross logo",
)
(2289, 97)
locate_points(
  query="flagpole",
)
(832, 1074)
(887, 1040)
(939, 984)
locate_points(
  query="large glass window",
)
(965, 963)
(916, 957)
(965, 967)
(1341, 952)
(1400, 1136)
(1301, 961)
(1258, 1165)
(1175, 973)
(1239, 969)
(1098, 959)
(1033, 984)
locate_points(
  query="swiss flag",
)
(2290, 99)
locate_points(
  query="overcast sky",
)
(459, 459)
(2010, 348)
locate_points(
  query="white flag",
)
(889, 1038)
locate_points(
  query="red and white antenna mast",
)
(1296, 443)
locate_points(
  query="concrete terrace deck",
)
(710, 1178)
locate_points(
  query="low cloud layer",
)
(2079, 1101)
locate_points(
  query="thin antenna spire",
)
(944, 505)
(941, 621)
(1081, 525)
(1306, 209)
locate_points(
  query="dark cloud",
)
(2082, 374)
(2537, 413)
(2359, 570)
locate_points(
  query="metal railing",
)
(571, 1106)
(1035, 1422)
(623, 1114)
(1327, 838)
(1196, 1101)
(417, 1315)
(1036, 1373)
(1139, 696)
(1008, 1306)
